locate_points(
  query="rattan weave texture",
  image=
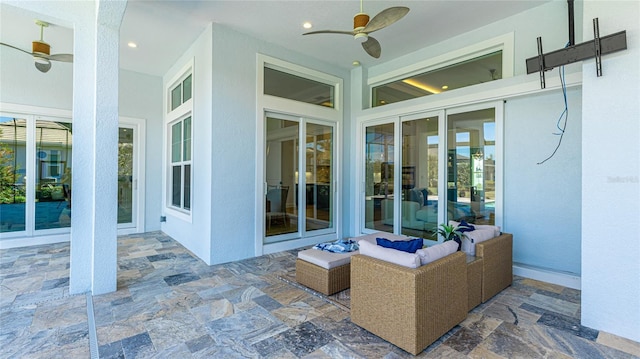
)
(325, 281)
(497, 262)
(410, 308)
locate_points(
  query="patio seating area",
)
(171, 304)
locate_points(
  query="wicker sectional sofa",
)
(412, 308)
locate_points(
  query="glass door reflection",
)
(53, 175)
(420, 177)
(13, 180)
(379, 175)
(471, 153)
(281, 208)
(319, 177)
(299, 178)
(126, 211)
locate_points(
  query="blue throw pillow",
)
(465, 227)
(425, 195)
(410, 246)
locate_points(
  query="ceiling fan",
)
(41, 51)
(362, 27)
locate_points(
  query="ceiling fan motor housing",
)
(360, 21)
(41, 47)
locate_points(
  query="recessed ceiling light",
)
(132, 44)
(445, 87)
(307, 25)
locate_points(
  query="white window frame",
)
(498, 106)
(303, 110)
(182, 163)
(31, 236)
(179, 114)
(179, 82)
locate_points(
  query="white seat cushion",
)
(405, 259)
(479, 235)
(330, 260)
(325, 259)
(433, 253)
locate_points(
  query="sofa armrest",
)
(497, 273)
(410, 308)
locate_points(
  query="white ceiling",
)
(163, 30)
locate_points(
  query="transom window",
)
(181, 92)
(286, 85)
(462, 74)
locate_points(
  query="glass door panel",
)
(319, 177)
(53, 174)
(281, 205)
(419, 209)
(126, 211)
(379, 167)
(13, 165)
(471, 153)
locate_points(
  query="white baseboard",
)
(545, 275)
(34, 241)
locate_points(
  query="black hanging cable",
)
(564, 114)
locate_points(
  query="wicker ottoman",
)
(325, 272)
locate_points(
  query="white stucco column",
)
(96, 26)
(95, 151)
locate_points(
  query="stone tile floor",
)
(169, 304)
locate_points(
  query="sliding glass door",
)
(319, 178)
(53, 174)
(471, 166)
(282, 161)
(446, 166)
(299, 178)
(414, 196)
(127, 176)
(35, 175)
(379, 177)
(13, 167)
(36, 155)
(419, 208)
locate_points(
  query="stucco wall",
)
(141, 97)
(194, 232)
(610, 172)
(531, 191)
(542, 201)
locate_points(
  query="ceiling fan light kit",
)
(361, 36)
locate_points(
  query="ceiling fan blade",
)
(372, 47)
(61, 57)
(17, 48)
(329, 32)
(385, 18)
(43, 66)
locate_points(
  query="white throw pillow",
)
(477, 236)
(405, 259)
(433, 253)
(496, 229)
